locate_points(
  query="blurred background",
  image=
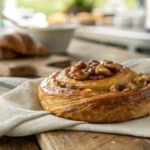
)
(123, 23)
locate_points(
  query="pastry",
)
(8, 54)
(85, 18)
(23, 44)
(96, 92)
(58, 18)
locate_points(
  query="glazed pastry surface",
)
(96, 92)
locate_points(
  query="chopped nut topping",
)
(140, 81)
(81, 65)
(93, 63)
(90, 71)
(81, 75)
(118, 87)
(103, 71)
(73, 69)
(106, 62)
(93, 70)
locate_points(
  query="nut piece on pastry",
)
(96, 92)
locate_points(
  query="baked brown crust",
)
(8, 54)
(23, 44)
(109, 93)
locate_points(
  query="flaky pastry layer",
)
(118, 96)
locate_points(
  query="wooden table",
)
(18, 143)
(74, 140)
(80, 49)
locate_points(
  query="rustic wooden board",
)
(33, 66)
(75, 140)
(18, 143)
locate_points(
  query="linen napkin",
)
(21, 113)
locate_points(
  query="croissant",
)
(7, 54)
(23, 44)
(96, 92)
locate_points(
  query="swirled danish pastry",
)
(96, 92)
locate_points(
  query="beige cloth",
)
(21, 114)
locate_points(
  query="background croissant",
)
(20, 44)
(96, 92)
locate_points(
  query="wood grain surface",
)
(75, 140)
(18, 143)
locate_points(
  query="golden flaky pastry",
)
(20, 44)
(96, 92)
